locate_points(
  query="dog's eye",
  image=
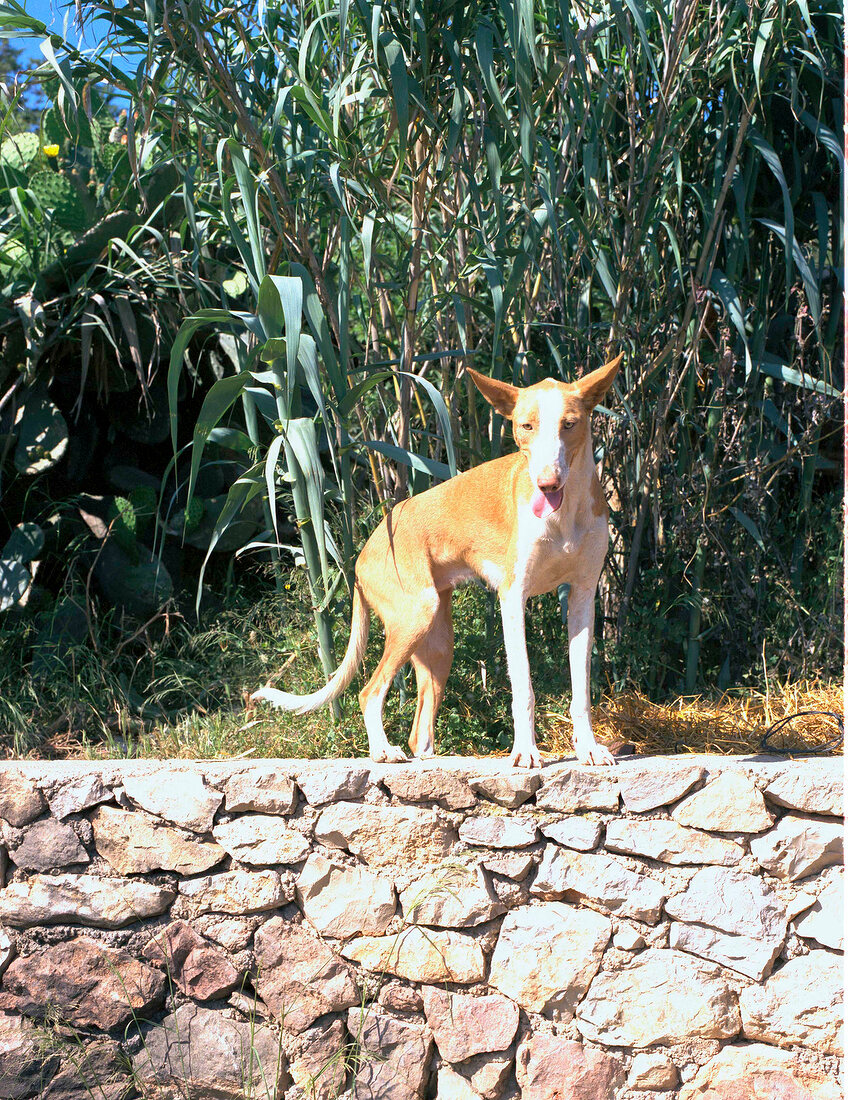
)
(526, 427)
(566, 424)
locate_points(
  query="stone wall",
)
(671, 928)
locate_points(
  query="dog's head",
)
(550, 421)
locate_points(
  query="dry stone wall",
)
(456, 930)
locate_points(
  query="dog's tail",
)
(303, 704)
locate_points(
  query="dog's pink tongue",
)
(545, 504)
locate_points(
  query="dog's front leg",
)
(524, 751)
(581, 629)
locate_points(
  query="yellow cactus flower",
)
(51, 150)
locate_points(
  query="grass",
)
(173, 688)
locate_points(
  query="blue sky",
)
(53, 13)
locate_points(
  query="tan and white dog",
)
(524, 523)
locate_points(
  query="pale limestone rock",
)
(421, 955)
(551, 1068)
(81, 899)
(233, 933)
(799, 1004)
(344, 901)
(510, 790)
(20, 799)
(599, 878)
(181, 798)
(799, 846)
(825, 920)
(7, 950)
(662, 997)
(451, 1085)
(260, 840)
(811, 786)
(45, 846)
(488, 1073)
(498, 832)
(385, 836)
(730, 803)
(201, 1052)
(298, 976)
(571, 788)
(319, 1066)
(236, 892)
(78, 795)
(464, 1026)
(671, 843)
(574, 832)
(752, 957)
(628, 939)
(731, 901)
(400, 997)
(658, 783)
(453, 895)
(754, 1071)
(514, 865)
(652, 1072)
(547, 955)
(321, 783)
(417, 783)
(260, 791)
(393, 1057)
(135, 842)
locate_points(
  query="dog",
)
(523, 523)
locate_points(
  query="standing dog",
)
(524, 523)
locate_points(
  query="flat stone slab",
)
(82, 899)
(670, 843)
(733, 902)
(799, 1004)
(421, 955)
(597, 877)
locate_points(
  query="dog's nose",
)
(547, 483)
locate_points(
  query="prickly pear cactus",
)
(53, 129)
(57, 195)
(19, 150)
(24, 545)
(140, 587)
(143, 501)
(42, 436)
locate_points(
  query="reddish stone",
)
(464, 1026)
(196, 968)
(549, 1068)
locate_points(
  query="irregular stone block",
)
(628, 939)
(551, 1068)
(811, 786)
(237, 892)
(574, 832)
(671, 843)
(321, 784)
(451, 1085)
(451, 896)
(731, 901)
(25, 1067)
(7, 951)
(499, 832)
(344, 901)
(264, 792)
(385, 836)
(400, 997)
(299, 978)
(430, 784)
(649, 786)
(81, 899)
(547, 955)
(201, 1052)
(319, 1066)
(232, 933)
(754, 1071)
(78, 795)
(661, 997)
(20, 799)
(261, 839)
(95, 1069)
(47, 845)
(825, 920)
(184, 800)
(393, 1058)
(652, 1072)
(599, 878)
(134, 842)
(421, 955)
(799, 1004)
(577, 788)
(507, 790)
(514, 865)
(730, 803)
(83, 983)
(464, 1026)
(489, 1073)
(799, 846)
(752, 957)
(194, 966)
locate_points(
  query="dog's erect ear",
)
(593, 387)
(500, 395)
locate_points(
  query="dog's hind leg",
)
(432, 661)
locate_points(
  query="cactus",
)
(140, 587)
(143, 501)
(19, 150)
(123, 527)
(24, 545)
(57, 195)
(53, 129)
(42, 436)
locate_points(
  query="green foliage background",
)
(235, 314)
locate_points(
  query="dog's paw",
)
(525, 758)
(389, 754)
(596, 754)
